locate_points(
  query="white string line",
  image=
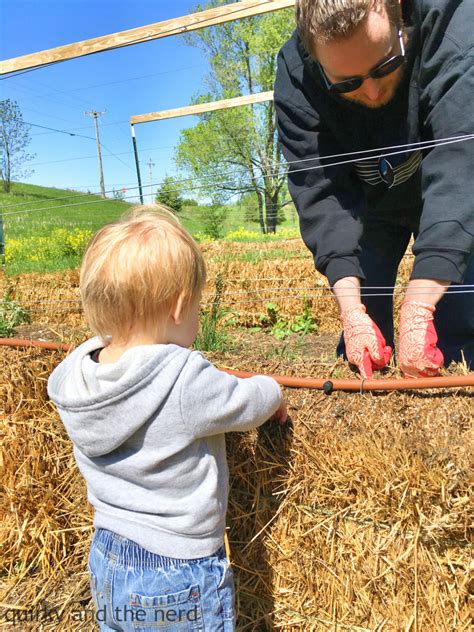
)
(394, 153)
(238, 211)
(455, 139)
(415, 145)
(341, 292)
(424, 145)
(264, 176)
(222, 297)
(418, 144)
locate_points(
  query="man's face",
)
(374, 41)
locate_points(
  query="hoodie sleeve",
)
(327, 197)
(446, 237)
(213, 402)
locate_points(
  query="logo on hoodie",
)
(380, 170)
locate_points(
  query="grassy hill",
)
(46, 229)
(34, 210)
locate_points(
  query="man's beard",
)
(391, 92)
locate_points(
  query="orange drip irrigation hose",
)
(452, 381)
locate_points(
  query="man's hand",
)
(418, 355)
(281, 415)
(365, 344)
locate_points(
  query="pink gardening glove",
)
(365, 344)
(418, 355)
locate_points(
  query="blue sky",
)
(157, 75)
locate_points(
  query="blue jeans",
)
(136, 590)
(383, 246)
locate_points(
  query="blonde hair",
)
(135, 269)
(328, 20)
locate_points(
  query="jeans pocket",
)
(226, 591)
(93, 587)
(173, 612)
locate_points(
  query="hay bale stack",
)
(355, 516)
(251, 274)
(367, 512)
(46, 522)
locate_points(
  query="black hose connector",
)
(328, 387)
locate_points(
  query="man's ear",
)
(176, 313)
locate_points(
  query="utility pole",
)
(150, 165)
(95, 115)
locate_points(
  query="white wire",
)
(415, 145)
(330, 289)
(394, 153)
(441, 142)
(222, 297)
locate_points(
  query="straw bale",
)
(288, 280)
(354, 516)
(366, 502)
(45, 513)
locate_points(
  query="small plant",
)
(212, 336)
(11, 315)
(282, 327)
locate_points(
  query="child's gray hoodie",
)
(148, 439)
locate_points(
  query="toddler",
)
(147, 418)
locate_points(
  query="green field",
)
(46, 229)
(34, 210)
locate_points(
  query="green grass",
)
(255, 256)
(33, 210)
(43, 232)
(212, 334)
(234, 218)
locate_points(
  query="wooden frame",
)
(175, 26)
(202, 107)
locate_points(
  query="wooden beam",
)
(175, 26)
(211, 106)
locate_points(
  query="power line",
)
(119, 81)
(56, 100)
(124, 122)
(55, 117)
(60, 131)
(122, 153)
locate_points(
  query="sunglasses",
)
(382, 70)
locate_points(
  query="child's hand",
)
(281, 415)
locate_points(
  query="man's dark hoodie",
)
(337, 184)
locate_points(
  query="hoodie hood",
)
(102, 405)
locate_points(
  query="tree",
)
(168, 194)
(14, 139)
(235, 151)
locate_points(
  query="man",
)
(367, 92)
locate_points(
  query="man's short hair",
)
(328, 20)
(135, 269)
